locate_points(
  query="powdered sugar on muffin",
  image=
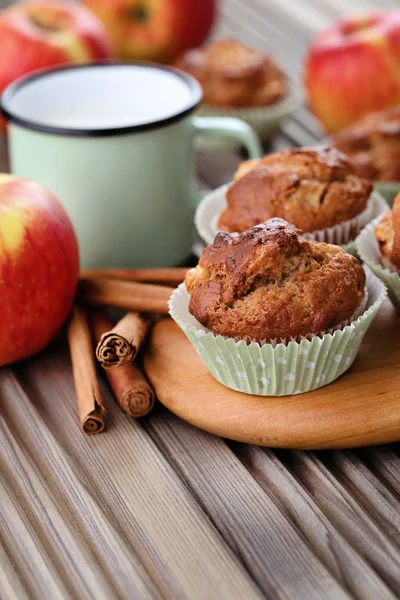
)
(266, 283)
(313, 189)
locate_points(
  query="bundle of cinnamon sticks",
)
(92, 335)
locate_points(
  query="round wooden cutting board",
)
(359, 409)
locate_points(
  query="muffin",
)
(378, 246)
(232, 75)
(374, 145)
(387, 233)
(271, 314)
(266, 283)
(312, 189)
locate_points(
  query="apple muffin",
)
(313, 189)
(267, 283)
(387, 234)
(234, 76)
(374, 145)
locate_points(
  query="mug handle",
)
(227, 127)
(232, 128)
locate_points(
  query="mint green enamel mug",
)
(114, 143)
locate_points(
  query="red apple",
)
(39, 267)
(353, 68)
(40, 34)
(156, 30)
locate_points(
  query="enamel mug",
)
(114, 142)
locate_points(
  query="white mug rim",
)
(13, 88)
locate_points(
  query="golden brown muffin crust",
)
(313, 189)
(266, 283)
(374, 145)
(387, 233)
(233, 75)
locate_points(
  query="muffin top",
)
(233, 75)
(387, 233)
(374, 145)
(313, 189)
(266, 283)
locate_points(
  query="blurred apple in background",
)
(39, 267)
(41, 34)
(156, 30)
(353, 68)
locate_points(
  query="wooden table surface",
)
(159, 509)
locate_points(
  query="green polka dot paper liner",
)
(281, 369)
(264, 120)
(368, 250)
(210, 208)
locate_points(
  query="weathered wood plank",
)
(332, 548)
(247, 518)
(146, 504)
(385, 463)
(371, 493)
(11, 580)
(348, 516)
(52, 530)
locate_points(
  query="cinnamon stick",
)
(121, 344)
(164, 276)
(132, 390)
(90, 401)
(143, 297)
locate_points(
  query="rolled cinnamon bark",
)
(143, 297)
(132, 390)
(164, 276)
(90, 401)
(121, 344)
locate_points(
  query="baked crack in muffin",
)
(266, 283)
(387, 234)
(233, 76)
(374, 145)
(312, 189)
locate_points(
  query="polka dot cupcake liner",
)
(213, 203)
(285, 368)
(388, 189)
(264, 120)
(368, 250)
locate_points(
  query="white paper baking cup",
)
(211, 206)
(368, 250)
(264, 120)
(388, 189)
(282, 369)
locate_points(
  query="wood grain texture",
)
(159, 509)
(355, 571)
(361, 408)
(110, 517)
(343, 509)
(255, 528)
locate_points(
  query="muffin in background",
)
(374, 145)
(314, 189)
(266, 283)
(242, 83)
(271, 314)
(232, 75)
(387, 233)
